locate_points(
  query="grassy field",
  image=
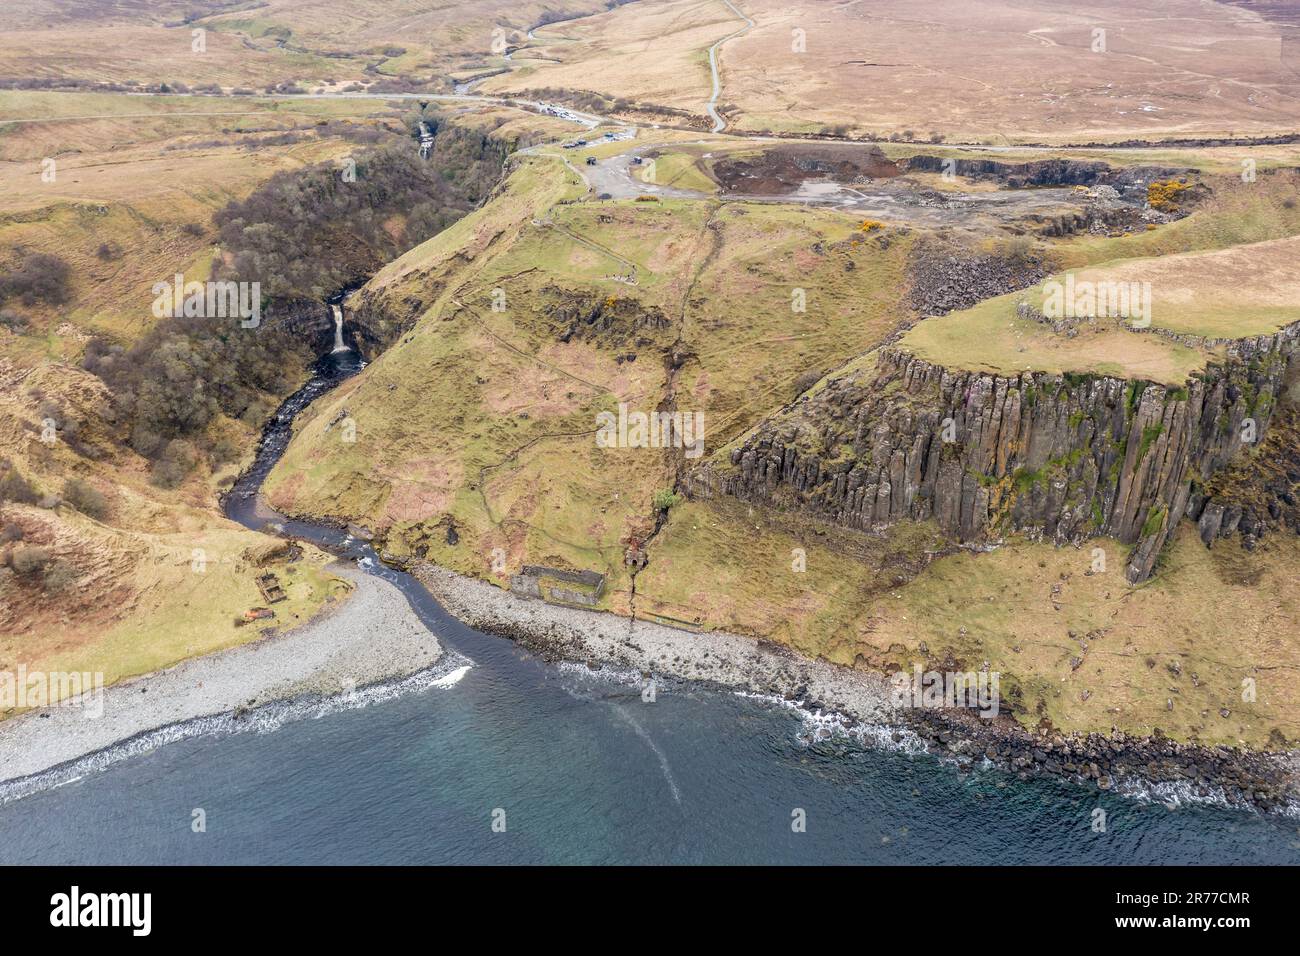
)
(1088, 652)
(990, 337)
(683, 168)
(308, 42)
(1231, 293)
(141, 605)
(152, 53)
(1222, 272)
(136, 600)
(1022, 73)
(35, 125)
(721, 565)
(654, 54)
(603, 302)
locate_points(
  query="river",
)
(520, 761)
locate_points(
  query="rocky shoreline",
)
(371, 637)
(1264, 781)
(337, 652)
(567, 634)
(1156, 764)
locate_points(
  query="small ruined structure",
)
(635, 556)
(556, 586)
(270, 587)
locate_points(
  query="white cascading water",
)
(339, 344)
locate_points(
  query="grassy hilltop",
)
(686, 304)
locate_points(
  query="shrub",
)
(178, 460)
(58, 575)
(14, 487)
(37, 277)
(223, 451)
(1019, 251)
(1163, 194)
(85, 497)
(806, 380)
(30, 559)
(305, 234)
(665, 498)
(13, 321)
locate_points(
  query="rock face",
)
(377, 320)
(309, 321)
(1127, 181)
(1067, 457)
(1256, 494)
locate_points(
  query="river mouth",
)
(243, 504)
(586, 768)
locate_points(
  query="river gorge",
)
(499, 755)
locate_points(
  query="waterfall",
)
(339, 344)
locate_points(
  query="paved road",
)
(613, 176)
(891, 200)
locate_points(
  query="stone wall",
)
(538, 581)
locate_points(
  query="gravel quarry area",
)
(371, 636)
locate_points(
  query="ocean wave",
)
(1174, 794)
(818, 725)
(453, 678)
(605, 673)
(447, 673)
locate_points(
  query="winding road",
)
(719, 124)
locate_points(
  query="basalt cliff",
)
(1067, 457)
